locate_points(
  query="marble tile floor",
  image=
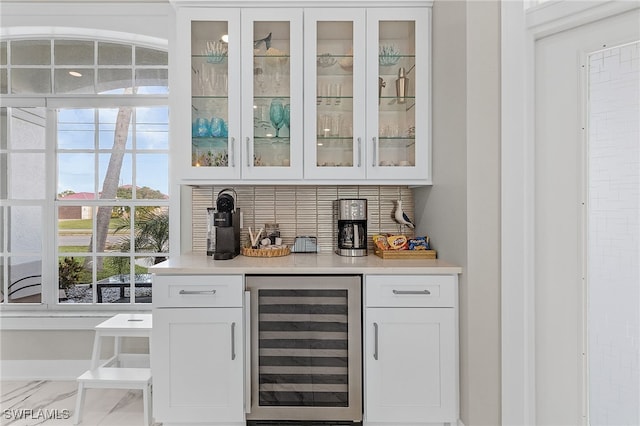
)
(52, 403)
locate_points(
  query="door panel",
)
(560, 298)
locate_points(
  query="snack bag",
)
(380, 241)
(419, 243)
(397, 242)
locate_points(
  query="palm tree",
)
(151, 232)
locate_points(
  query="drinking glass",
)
(287, 115)
(276, 114)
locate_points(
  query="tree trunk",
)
(112, 178)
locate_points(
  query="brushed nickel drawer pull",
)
(375, 341)
(411, 292)
(233, 341)
(197, 292)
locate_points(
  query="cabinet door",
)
(197, 363)
(272, 107)
(335, 100)
(398, 94)
(410, 360)
(205, 94)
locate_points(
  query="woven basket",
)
(251, 252)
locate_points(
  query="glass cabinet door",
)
(208, 51)
(398, 94)
(272, 93)
(334, 103)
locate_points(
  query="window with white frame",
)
(84, 186)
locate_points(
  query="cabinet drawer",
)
(197, 290)
(410, 291)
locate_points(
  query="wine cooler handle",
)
(248, 156)
(233, 341)
(359, 152)
(375, 341)
(411, 292)
(197, 292)
(247, 352)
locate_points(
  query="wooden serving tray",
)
(406, 254)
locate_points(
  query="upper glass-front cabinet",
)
(367, 94)
(272, 112)
(335, 52)
(206, 89)
(238, 111)
(398, 94)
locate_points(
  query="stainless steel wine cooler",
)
(306, 347)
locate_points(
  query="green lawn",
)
(84, 223)
(73, 249)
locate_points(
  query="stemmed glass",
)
(276, 114)
(287, 115)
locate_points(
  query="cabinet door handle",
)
(375, 151)
(375, 341)
(411, 292)
(359, 152)
(248, 153)
(197, 292)
(232, 151)
(233, 341)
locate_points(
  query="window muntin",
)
(78, 151)
(22, 203)
(81, 67)
(115, 251)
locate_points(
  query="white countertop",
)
(303, 263)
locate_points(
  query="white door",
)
(410, 365)
(560, 297)
(199, 376)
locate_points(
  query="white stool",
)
(106, 377)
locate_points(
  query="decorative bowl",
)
(325, 60)
(216, 52)
(388, 55)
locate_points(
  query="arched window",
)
(84, 188)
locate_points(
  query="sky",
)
(77, 130)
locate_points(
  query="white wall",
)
(144, 22)
(461, 211)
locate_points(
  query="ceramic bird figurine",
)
(401, 217)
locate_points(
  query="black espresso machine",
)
(223, 233)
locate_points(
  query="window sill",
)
(48, 320)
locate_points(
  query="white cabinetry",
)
(197, 354)
(238, 78)
(362, 121)
(410, 355)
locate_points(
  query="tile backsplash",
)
(301, 210)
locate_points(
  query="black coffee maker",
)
(224, 224)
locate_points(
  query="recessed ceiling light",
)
(75, 73)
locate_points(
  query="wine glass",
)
(287, 115)
(276, 114)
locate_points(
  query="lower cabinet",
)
(410, 352)
(198, 375)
